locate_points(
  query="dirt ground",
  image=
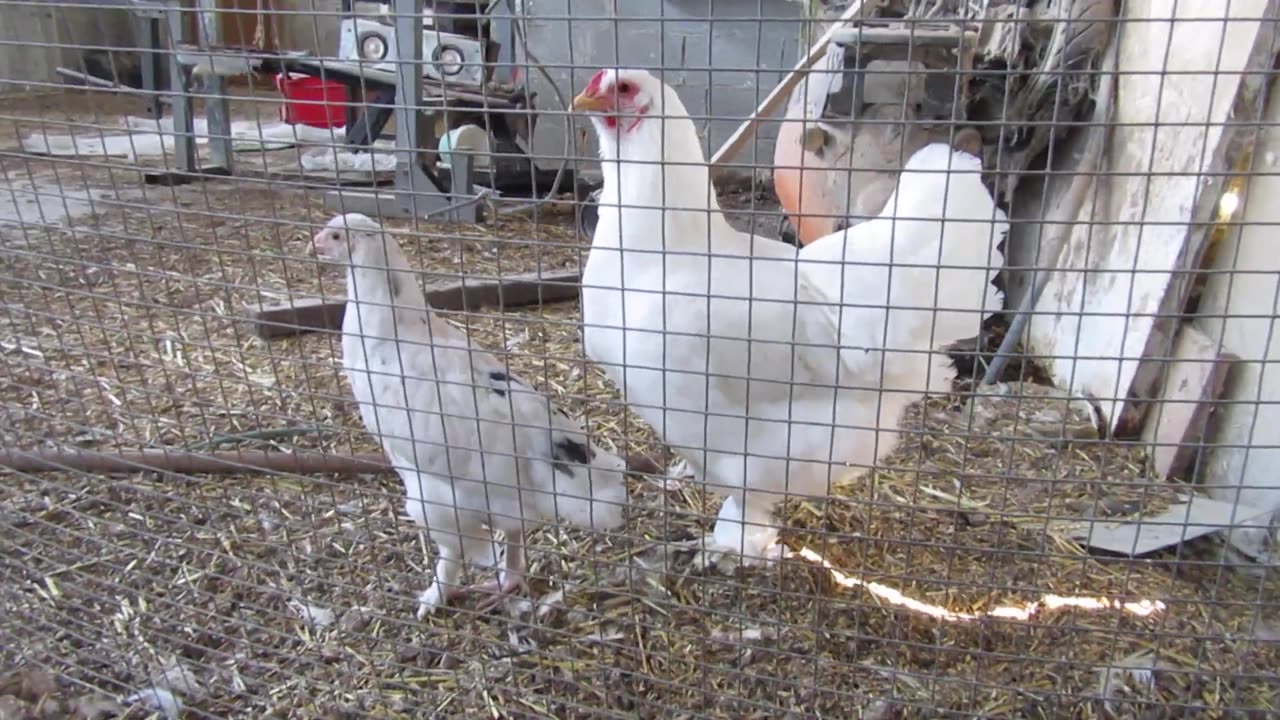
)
(952, 587)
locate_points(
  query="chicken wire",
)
(197, 522)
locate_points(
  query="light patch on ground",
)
(44, 201)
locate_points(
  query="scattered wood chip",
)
(29, 684)
(549, 602)
(744, 635)
(355, 620)
(317, 617)
(12, 707)
(408, 653)
(1132, 675)
(603, 636)
(94, 707)
(157, 699)
(179, 679)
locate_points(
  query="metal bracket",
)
(896, 62)
(187, 168)
(149, 22)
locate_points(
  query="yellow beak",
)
(589, 103)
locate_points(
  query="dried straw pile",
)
(274, 596)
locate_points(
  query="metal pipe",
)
(88, 79)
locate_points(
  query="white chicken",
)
(767, 372)
(474, 445)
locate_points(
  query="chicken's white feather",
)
(918, 276)
(478, 449)
(741, 353)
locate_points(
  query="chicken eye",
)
(625, 88)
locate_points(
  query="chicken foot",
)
(752, 545)
(511, 578)
(445, 589)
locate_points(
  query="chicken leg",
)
(445, 589)
(749, 535)
(455, 549)
(510, 579)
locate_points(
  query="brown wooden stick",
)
(307, 315)
(118, 462)
(226, 462)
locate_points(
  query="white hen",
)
(474, 445)
(918, 276)
(726, 342)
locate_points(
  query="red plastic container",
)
(312, 101)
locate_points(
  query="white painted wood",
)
(1179, 81)
(1246, 306)
(1176, 425)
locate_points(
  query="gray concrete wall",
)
(36, 38)
(738, 59)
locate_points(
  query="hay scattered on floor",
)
(280, 596)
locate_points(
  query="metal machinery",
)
(449, 57)
(166, 69)
(444, 80)
(883, 89)
(922, 71)
(1017, 70)
(461, 71)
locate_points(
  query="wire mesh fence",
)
(768, 359)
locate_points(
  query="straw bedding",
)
(285, 596)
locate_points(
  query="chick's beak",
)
(585, 102)
(320, 244)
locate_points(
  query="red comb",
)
(593, 87)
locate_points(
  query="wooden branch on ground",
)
(779, 94)
(228, 462)
(308, 315)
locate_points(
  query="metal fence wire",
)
(577, 358)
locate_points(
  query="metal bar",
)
(415, 137)
(217, 105)
(184, 140)
(150, 32)
(921, 37)
(221, 462)
(86, 78)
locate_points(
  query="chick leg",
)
(510, 578)
(444, 587)
(482, 552)
(455, 548)
(748, 534)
